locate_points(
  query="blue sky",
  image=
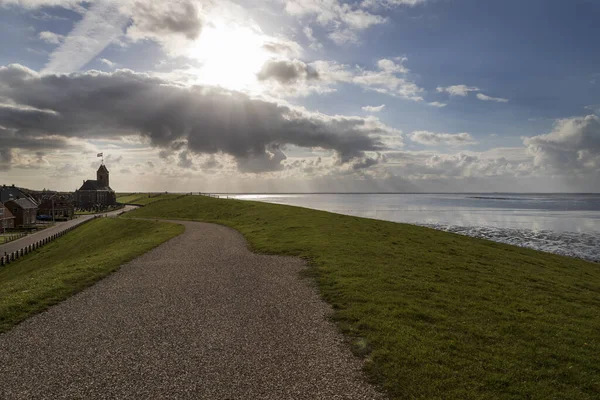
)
(475, 92)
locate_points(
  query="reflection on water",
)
(560, 223)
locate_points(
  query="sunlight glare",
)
(231, 55)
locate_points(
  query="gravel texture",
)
(199, 317)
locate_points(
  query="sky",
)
(302, 95)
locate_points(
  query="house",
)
(7, 220)
(24, 210)
(8, 193)
(58, 205)
(96, 193)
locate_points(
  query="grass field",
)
(74, 262)
(436, 315)
(146, 198)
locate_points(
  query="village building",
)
(24, 211)
(96, 193)
(12, 192)
(57, 206)
(7, 220)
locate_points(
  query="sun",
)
(231, 56)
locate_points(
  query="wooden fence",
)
(7, 258)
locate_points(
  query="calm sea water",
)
(567, 224)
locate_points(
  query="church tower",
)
(102, 176)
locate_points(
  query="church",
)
(96, 194)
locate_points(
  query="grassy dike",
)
(436, 315)
(74, 262)
(143, 199)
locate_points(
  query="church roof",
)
(103, 168)
(94, 185)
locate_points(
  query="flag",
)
(100, 155)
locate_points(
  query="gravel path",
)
(199, 317)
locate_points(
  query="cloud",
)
(51, 37)
(101, 25)
(483, 97)
(343, 21)
(108, 62)
(464, 90)
(281, 47)
(368, 162)
(5, 158)
(437, 104)
(595, 108)
(185, 161)
(573, 145)
(314, 43)
(389, 78)
(374, 109)
(201, 119)
(286, 71)
(390, 3)
(160, 20)
(457, 90)
(296, 78)
(436, 139)
(35, 4)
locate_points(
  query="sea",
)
(567, 224)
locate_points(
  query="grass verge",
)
(74, 262)
(436, 315)
(146, 198)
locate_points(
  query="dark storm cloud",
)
(286, 71)
(11, 140)
(208, 120)
(5, 158)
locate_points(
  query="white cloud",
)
(343, 36)
(343, 21)
(436, 139)
(437, 104)
(108, 62)
(457, 90)
(389, 78)
(314, 43)
(483, 97)
(34, 4)
(374, 109)
(100, 25)
(573, 145)
(51, 37)
(390, 3)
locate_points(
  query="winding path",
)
(199, 317)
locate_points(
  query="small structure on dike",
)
(96, 194)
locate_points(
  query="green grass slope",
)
(74, 262)
(146, 198)
(436, 315)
